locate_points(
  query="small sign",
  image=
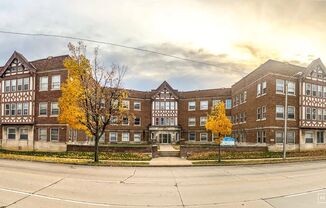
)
(228, 141)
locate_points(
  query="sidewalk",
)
(170, 161)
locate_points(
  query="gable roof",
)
(314, 65)
(20, 58)
(165, 85)
(38, 65)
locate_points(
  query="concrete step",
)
(169, 153)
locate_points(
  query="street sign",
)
(228, 141)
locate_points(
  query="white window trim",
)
(39, 134)
(139, 122)
(137, 133)
(200, 136)
(116, 136)
(137, 102)
(51, 135)
(200, 105)
(189, 137)
(189, 109)
(40, 84)
(53, 89)
(194, 121)
(39, 109)
(55, 115)
(126, 133)
(8, 133)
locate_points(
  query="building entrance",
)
(165, 138)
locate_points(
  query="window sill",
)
(43, 116)
(43, 90)
(54, 116)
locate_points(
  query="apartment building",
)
(29, 108)
(258, 112)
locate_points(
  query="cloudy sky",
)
(232, 36)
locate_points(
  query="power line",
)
(108, 43)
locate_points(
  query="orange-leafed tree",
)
(91, 95)
(219, 124)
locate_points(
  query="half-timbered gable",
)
(313, 96)
(17, 90)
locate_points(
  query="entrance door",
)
(165, 138)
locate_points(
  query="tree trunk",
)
(219, 152)
(96, 157)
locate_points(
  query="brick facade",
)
(165, 115)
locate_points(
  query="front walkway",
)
(170, 161)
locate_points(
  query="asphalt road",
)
(33, 185)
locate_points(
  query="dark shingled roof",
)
(49, 63)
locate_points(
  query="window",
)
(314, 113)
(125, 121)
(125, 137)
(19, 109)
(320, 137)
(324, 114)
(245, 96)
(291, 88)
(11, 133)
(137, 137)
(54, 109)
(279, 136)
(173, 106)
(125, 104)
(26, 83)
(263, 111)
(55, 84)
(13, 109)
(261, 136)
(13, 85)
(308, 113)
(290, 139)
(113, 120)
(23, 134)
(203, 136)
(309, 137)
(228, 104)
(7, 86)
(258, 113)
(191, 105)
(137, 121)
(113, 136)
(25, 109)
(279, 111)
(291, 112)
(162, 106)
(137, 106)
(264, 87)
(43, 109)
(192, 121)
(320, 114)
(215, 102)
(7, 109)
(54, 134)
(308, 89)
(320, 91)
(279, 86)
(203, 105)
(258, 89)
(44, 83)
(192, 136)
(203, 121)
(43, 134)
(314, 90)
(324, 90)
(19, 84)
